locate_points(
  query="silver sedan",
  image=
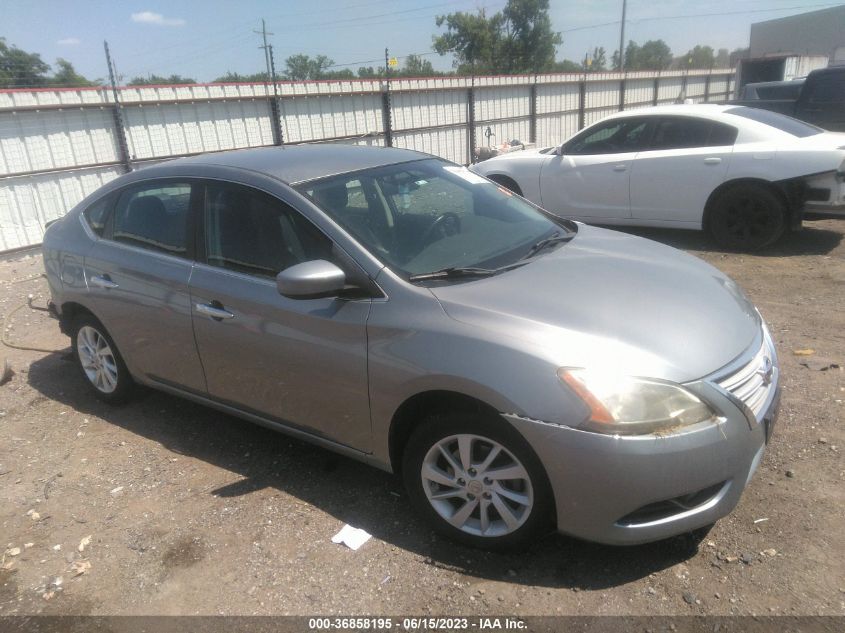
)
(520, 371)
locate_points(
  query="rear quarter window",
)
(97, 214)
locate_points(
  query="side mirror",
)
(309, 280)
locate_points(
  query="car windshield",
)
(778, 121)
(425, 216)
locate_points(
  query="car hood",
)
(523, 154)
(608, 299)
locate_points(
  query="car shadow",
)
(815, 238)
(350, 491)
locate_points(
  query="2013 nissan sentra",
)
(519, 370)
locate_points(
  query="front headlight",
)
(625, 405)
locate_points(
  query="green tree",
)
(472, 38)
(416, 66)
(343, 73)
(517, 39)
(301, 67)
(699, 57)
(530, 43)
(19, 69)
(723, 58)
(566, 66)
(158, 80)
(368, 72)
(737, 54)
(596, 61)
(231, 77)
(66, 75)
(653, 55)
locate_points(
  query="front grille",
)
(754, 383)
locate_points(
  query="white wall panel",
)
(171, 130)
(27, 203)
(428, 108)
(555, 129)
(55, 139)
(450, 144)
(49, 130)
(501, 103)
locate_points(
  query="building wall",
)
(814, 33)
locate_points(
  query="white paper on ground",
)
(352, 537)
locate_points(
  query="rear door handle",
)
(712, 160)
(620, 167)
(216, 312)
(102, 281)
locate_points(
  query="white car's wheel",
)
(747, 217)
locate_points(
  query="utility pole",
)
(118, 115)
(279, 138)
(385, 103)
(263, 33)
(622, 39)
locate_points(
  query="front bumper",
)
(625, 490)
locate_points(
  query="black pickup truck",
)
(821, 100)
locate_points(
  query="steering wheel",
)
(444, 225)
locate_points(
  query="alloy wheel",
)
(477, 485)
(97, 359)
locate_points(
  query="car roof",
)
(706, 110)
(294, 164)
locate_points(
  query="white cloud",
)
(148, 17)
(68, 41)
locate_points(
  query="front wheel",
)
(747, 217)
(100, 362)
(477, 481)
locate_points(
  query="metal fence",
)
(59, 145)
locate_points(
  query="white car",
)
(743, 174)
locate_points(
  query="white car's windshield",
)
(429, 215)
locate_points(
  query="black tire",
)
(533, 522)
(507, 183)
(124, 386)
(747, 217)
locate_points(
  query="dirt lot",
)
(185, 510)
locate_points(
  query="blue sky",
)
(204, 39)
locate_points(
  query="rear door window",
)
(687, 132)
(155, 217)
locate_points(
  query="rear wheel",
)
(747, 217)
(477, 481)
(100, 362)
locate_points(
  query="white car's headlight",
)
(625, 405)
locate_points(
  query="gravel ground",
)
(166, 507)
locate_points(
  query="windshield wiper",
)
(555, 238)
(453, 272)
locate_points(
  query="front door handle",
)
(216, 312)
(102, 281)
(620, 167)
(712, 160)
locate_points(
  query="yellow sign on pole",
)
(393, 62)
